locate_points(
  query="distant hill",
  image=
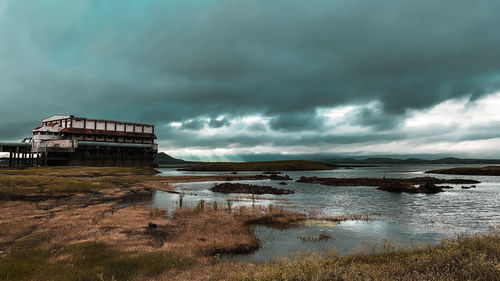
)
(447, 160)
(284, 165)
(164, 159)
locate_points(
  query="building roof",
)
(56, 117)
(107, 133)
(62, 117)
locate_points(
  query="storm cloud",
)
(261, 76)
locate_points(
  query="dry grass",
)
(276, 217)
(320, 237)
(205, 231)
(52, 242)
(345, 217)
(466, 258)
(317, 215)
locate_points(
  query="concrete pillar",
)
(10, 159)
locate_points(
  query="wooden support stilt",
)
(16, 156)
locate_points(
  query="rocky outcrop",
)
(382, 181)
(275, 177)
(398, 187)
(248, 188)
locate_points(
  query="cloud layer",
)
(278, 76)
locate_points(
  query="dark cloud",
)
(299, 121)
(181, 61)
(375, 117)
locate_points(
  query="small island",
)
(410, 185)
(469, 171)
(248, 188)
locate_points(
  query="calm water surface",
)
(404, 219)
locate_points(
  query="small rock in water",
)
(283, 178)
(271, 173)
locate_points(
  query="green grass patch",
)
(35, 183)
(85, 261)
(67, 179)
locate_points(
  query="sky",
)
(225, 79)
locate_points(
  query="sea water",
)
(397, 218)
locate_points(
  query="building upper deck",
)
(68, 125)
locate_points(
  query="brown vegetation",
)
(320, 237)
(209, 232)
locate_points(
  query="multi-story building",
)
(79, 141)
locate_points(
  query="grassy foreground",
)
(286, 165)
(62, 224)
